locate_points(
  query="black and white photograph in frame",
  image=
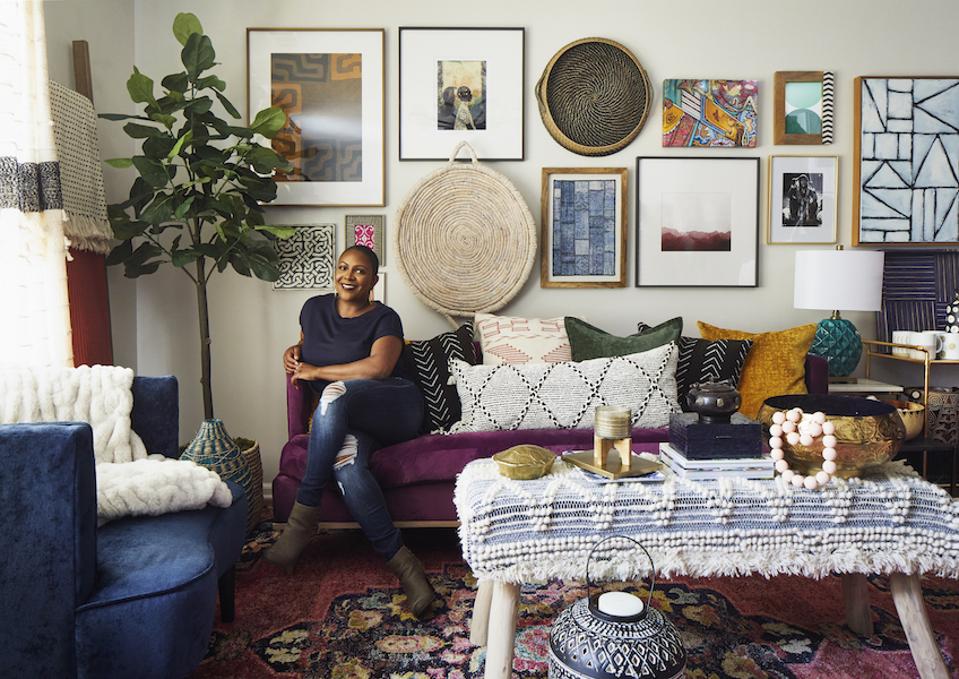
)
(461, 84)
(803, 199)
(697, 221)
(307, 258)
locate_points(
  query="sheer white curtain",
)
(34, 311)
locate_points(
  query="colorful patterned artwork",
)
(368, 230)
(307, 258)
(706, 113)
(313, 90)
(907, 175)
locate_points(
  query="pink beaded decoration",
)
(797, 427)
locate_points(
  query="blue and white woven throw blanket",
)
(534, 531)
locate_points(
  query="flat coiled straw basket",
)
(594, 96)
(466, 238)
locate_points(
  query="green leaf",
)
(199, 105)
(210, 81)
(183, 257)
(138, 131)
(184, 25)
(128, 230)
(137, 270)
(120, 253)
(239, 264)
(228, 105)
(158, 147)
(159, 211)
(120, 162)
(120, 116)
(264, 160)
(164, 118)
(179, 144)
(152, 171)
(278, 231)
(140, 193)
(140, 88)
(182, 208)
(176, 82)
(269, 121)
(197, 54)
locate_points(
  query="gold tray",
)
(639, 466)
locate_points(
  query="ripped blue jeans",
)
(353, 419)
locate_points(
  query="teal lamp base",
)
(838, 341)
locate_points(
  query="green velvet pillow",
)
(587, 341)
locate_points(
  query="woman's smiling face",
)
(354, 277)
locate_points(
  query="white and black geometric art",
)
(307, 258)
(908, 171)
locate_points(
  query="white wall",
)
(251, 324)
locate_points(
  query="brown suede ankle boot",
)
(419, 591)
(300, 529)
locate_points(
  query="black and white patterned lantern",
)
(614, 635)
(952, 315)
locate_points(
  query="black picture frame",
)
(404, 153)
(640, 204)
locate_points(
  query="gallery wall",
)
(155, 316)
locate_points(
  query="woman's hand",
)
(291, 359)
(304, 371)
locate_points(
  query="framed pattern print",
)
(710, 113)
(583, 227)
(803, 206)
(697, 221)
(804, 107)
(307, 258)
(330, 84)
(906, 165)
(368, 230)
(461, 84)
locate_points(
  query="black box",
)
(742, 437)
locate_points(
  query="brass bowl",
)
(913, 417)
(868, 433)
(524, 462)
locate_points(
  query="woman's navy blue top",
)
(330, 339)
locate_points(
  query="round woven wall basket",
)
(594, 96)
(466, 239)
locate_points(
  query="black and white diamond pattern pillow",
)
(703, 360)
(427, 361)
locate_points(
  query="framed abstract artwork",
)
(804, 107)
(330, 84)
(583, 227)
(697, 221)
(307, 258)
(368, 230)
(461, 84)
(906, 167)
(707, 113)
(378, 294)
(803, 205)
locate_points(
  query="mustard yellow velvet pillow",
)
(774, 366)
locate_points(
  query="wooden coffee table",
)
(516, 532)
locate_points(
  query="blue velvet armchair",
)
(134, 598)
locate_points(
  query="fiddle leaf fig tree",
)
(197, 202)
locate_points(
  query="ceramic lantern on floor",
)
(615, 634)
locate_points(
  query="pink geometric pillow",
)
(512, 340)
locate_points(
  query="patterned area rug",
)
(340, 615)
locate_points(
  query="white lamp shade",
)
(839, 280)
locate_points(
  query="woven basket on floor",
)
(466, 239)
(594, 96)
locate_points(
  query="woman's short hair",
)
(370, 255)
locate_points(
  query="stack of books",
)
(750, 468)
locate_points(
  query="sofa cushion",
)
(587, 341)
(511, 339)
(775, 364)
(427, 361)
(565, 395)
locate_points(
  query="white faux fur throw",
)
(101, 395)
(156, 486)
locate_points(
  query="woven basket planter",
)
(594, 96)
(466, 239)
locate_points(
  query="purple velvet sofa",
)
(417, 476)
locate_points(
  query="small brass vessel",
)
(868, 433)
(524, 462)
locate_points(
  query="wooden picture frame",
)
(824, 116)
(599, 267)
(368, 230)
(874, 159)
(785, 225)
(315, 73)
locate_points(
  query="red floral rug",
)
(340, 615)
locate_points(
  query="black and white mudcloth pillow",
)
(427, 361)
(703, 360)
(564, 395)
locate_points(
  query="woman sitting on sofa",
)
(349, 354)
